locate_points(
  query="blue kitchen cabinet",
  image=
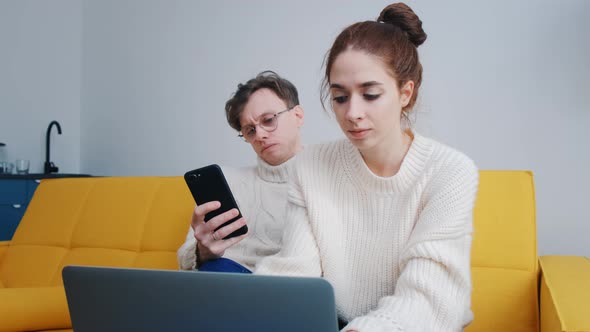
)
(15, 195)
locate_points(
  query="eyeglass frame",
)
(275, 116)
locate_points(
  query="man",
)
(266, 113)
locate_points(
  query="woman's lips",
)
(358, 133)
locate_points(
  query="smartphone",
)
(209, 184)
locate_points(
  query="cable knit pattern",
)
(397, 249)
(261, 194)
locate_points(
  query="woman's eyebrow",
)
(336, 86)
(363, 85)
(370, 83)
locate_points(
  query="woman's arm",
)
(299, 255)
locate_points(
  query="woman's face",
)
(366, 99)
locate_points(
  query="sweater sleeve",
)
(433, 292)
(186, 254)
(299, 254)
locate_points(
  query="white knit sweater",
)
(397, 249)
(261, 194)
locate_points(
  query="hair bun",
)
(403, 17)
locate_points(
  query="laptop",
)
(118, 299)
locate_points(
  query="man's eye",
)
(268, 120)
(371, 96)
(340, 99)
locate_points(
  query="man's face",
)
(278, 145)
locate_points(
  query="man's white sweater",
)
(261, 194)
(397, 249)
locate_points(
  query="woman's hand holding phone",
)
(211, 241)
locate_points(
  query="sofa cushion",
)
(502, 300)
(118, 221)
(31, 309)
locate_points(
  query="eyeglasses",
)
(268, 122)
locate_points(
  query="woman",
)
(386, 214)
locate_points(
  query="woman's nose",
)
(355, 109)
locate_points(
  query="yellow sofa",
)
(141, 221)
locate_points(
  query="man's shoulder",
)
(238, 174)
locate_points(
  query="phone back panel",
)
(209, 184)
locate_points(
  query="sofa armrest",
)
(32, 309)
(565, 293)
(3, 248)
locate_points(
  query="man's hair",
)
(284, 89)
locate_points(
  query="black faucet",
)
(49, 166)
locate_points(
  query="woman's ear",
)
(406, 93)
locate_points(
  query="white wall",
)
(40, 53)
(509, 83)
(506, 82)
(157, 76)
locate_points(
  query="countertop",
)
(40, 176)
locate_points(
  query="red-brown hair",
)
(394, 38)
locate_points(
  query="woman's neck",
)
(385, 159)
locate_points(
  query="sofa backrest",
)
(111, 221)
(504, 261)
(141, 222)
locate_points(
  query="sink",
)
(40, 176)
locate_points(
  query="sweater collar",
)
(274, 174)
(412, 166)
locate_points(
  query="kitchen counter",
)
(40, 176)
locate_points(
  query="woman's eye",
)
(371, 96)
(340, 99)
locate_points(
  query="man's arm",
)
(187, 259)
(210, 242)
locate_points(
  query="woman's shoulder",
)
(319, 160)
(320, 152)
(321, 148)
(448, 164)
(447, 158)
